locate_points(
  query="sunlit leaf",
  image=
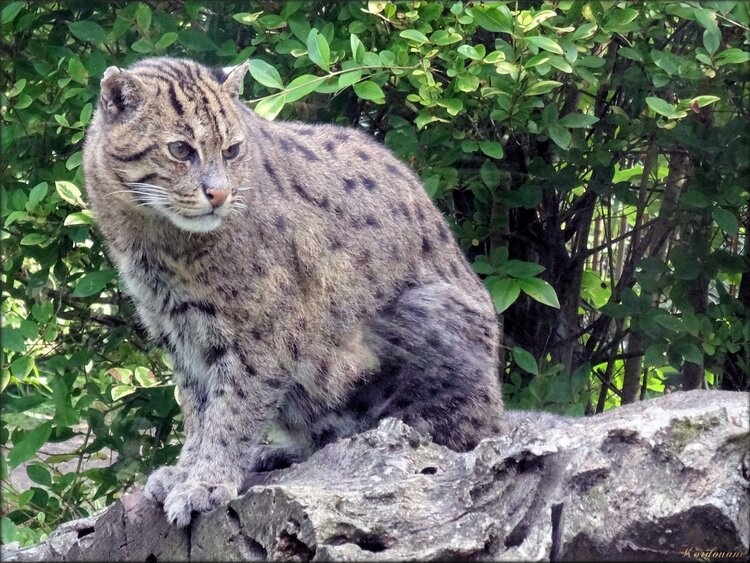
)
(525, 360)
(264, 73)
(539, 290)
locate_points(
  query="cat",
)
(298, 276)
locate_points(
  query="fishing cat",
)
(299, 277)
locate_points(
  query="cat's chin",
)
(199, 224)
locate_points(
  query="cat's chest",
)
(174, 306)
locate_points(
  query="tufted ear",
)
(122, 93)
(234, 77)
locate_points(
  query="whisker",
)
(140, 190)
(153, 199)
(153, 187)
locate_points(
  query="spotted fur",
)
(324, 294)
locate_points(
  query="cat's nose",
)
(217, 197)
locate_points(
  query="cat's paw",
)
(195, 496)
(161, 482)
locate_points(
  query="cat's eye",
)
(180, 150)
(231, 152)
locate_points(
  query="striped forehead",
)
(192, 94)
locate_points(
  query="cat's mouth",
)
(195, 223)
(202, 219)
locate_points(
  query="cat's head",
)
(171, 134)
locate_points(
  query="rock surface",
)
(658, 480)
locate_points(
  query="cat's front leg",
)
(233, 416)
(161, 482)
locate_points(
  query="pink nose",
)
(217, 197)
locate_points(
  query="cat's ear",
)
(122, 93)
(234, 77)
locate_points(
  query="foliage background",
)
(592, 158)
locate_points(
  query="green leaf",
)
(542, 87)
(120, 391)
(578, 120)
(621, 17)
(142, 46)
(302, 86)
(631, 54)
(39, 474)
(8, 528)
(491, 148)
(494, 19)
(732, 56)
(467, 83)
(669, 322)
(36, 195)
(272, 21)
(13, 340)
(545, 43)
(490, 174)
(414, 35)
(143, 16)
(349, 78)
(481, 266)
(77, 71)
(452, 105)
(79, 218)
(17, 87)
(560, 135)
(470, 52)
(689, 352)
(92, 283)
(431, 184)
(712, 40)
(443, 37)
(358, 49)
(29, 329)
(9, 13)
(86, 112)
(521, 269)
(23, 101)
(318, 50)
(654, 356)
(264, 73)
(34, 239)
(664, 108)
(368, 90)
(22, 366)
(703, 101)
(525, 360)
(75, 160)
(247, 18)
(585, 31)
(268, 108)
(664, 61)
(194, 40)
(30, 444)
(144, 377)
(539, 290)
(504, 294)
(166, 40)
(536, 60)
(88, 31)
(726, 220)
(69, 192)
